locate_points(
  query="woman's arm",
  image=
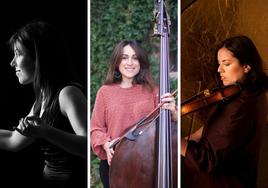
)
(184, 145)
(196, 136)
(73, 105)
(13, 140)
(99, 134)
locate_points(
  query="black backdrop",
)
(70, 17)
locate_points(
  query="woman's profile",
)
(57, 120)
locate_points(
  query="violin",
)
(207, 98)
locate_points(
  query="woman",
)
(224, 153)
(128, 94)
(57, 120)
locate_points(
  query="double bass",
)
(146, 155)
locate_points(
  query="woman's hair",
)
(52, 66)
(246, 52)
(143, 77)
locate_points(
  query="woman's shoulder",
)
(115, 89)
(71, 91)
(107, 88)
(251, 94)
(156, 89)
(247, 100)
(71, 96)
(72, 87)
(108, 91)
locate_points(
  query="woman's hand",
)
(32, 126)
(170, 104)
(109, 151)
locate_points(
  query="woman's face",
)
(230, 69)
(23, 64)
(129, 66)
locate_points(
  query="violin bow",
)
(193, 114)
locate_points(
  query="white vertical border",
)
(88, 93)
(179, 91)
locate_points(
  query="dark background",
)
(24, 167)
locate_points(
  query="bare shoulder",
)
(70, 92)
(71, 97)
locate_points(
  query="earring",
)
(117, 74)
(247, 68)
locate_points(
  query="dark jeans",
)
(104, 173)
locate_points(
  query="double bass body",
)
(134, 163)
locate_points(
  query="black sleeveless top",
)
(58, 162)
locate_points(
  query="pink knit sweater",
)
(115, 110)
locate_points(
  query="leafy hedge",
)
(112, 21)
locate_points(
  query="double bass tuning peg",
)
(156, 32)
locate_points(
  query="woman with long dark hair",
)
(128, 94)
(224, 153)
(58, 118)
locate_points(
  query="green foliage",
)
(112, 21)
(94, 171)
(173, 84)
